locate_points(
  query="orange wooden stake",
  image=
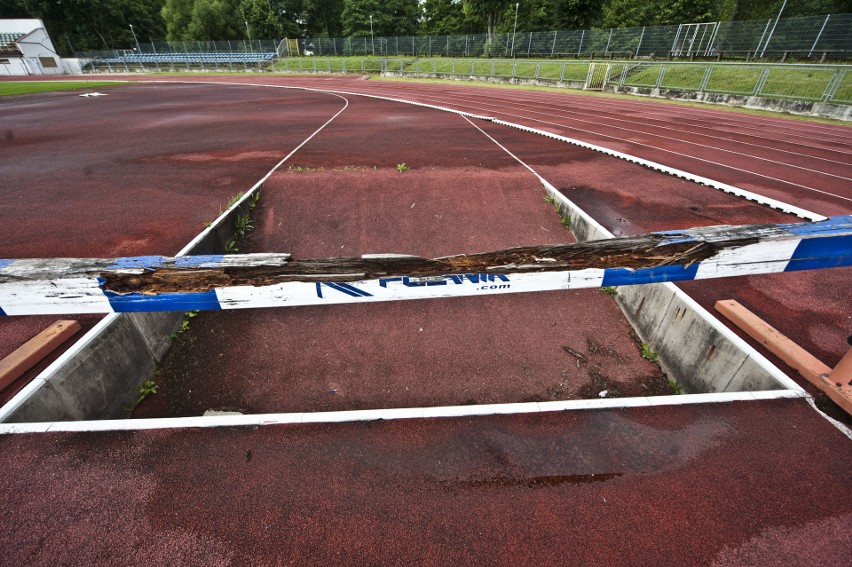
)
(837, 383)
(34, 350)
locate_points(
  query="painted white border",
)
(39, 381)
(389, 414)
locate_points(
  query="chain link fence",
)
(805, 37)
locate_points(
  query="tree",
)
(490, 10)
(262, 21)
(215, 20)
(577, 14)
(443, 17)
(389, 18)
(177, 14)
(323, 17)
(80, 25)
(533, 15)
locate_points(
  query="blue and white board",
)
(77, 285)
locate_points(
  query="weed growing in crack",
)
(609, 290)
(254, 200)
(231, 247)
(234, 200)
(148, 388)
(552, 200)
(242, 225)
(675, 388)
(648, 354)
(402, 168)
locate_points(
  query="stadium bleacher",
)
(7, 41)
(193, 57)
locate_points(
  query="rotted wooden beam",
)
(157, 283)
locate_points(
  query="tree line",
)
(80, 25)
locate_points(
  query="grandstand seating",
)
(7, 41)
(194, 57)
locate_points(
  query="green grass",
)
(737, 79)
(797, 83)
(28, 87)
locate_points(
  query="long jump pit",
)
(365, 176)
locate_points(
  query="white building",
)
(26, 49)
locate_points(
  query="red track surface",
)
(805, 164)
(735, 484)
(748, 483)
(139, 171)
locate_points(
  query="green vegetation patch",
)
(28, 87)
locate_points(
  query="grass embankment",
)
(28, 87)
(781, 82)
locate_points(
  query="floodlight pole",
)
(372, 38)
(515, 29)
(248, 34)
(138, 49)
(772, 31)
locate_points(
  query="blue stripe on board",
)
(624, 276)
(675, 236)
(4, 263)
(816, 253)
(138, 302)
(842, 224)
(348, 289)
(132, 262)
(2, 313)
(195, 261)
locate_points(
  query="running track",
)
(733, 484)
(806, 164)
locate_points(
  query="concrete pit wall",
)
(98, 376)
(694, 348)
(788, 106)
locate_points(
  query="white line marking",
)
(26, 393)
(384, 414)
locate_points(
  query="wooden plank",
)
(835, 383)
(33, 351)
(157, 283)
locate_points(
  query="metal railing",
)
(803, 37)
(818, 83)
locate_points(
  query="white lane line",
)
(437, 412)
(697, 131)
(596, 133)
(724, 187)
(27, 392)
(203, 234)
(709, 115)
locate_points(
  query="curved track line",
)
(185, 250)
(697, 130)
(608, 109)
(635, 107)
(592, 132)
(731, 189)
(777, 124)
(30, 389)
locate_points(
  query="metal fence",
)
(804, 37)
(825, 83)
(813, 37)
